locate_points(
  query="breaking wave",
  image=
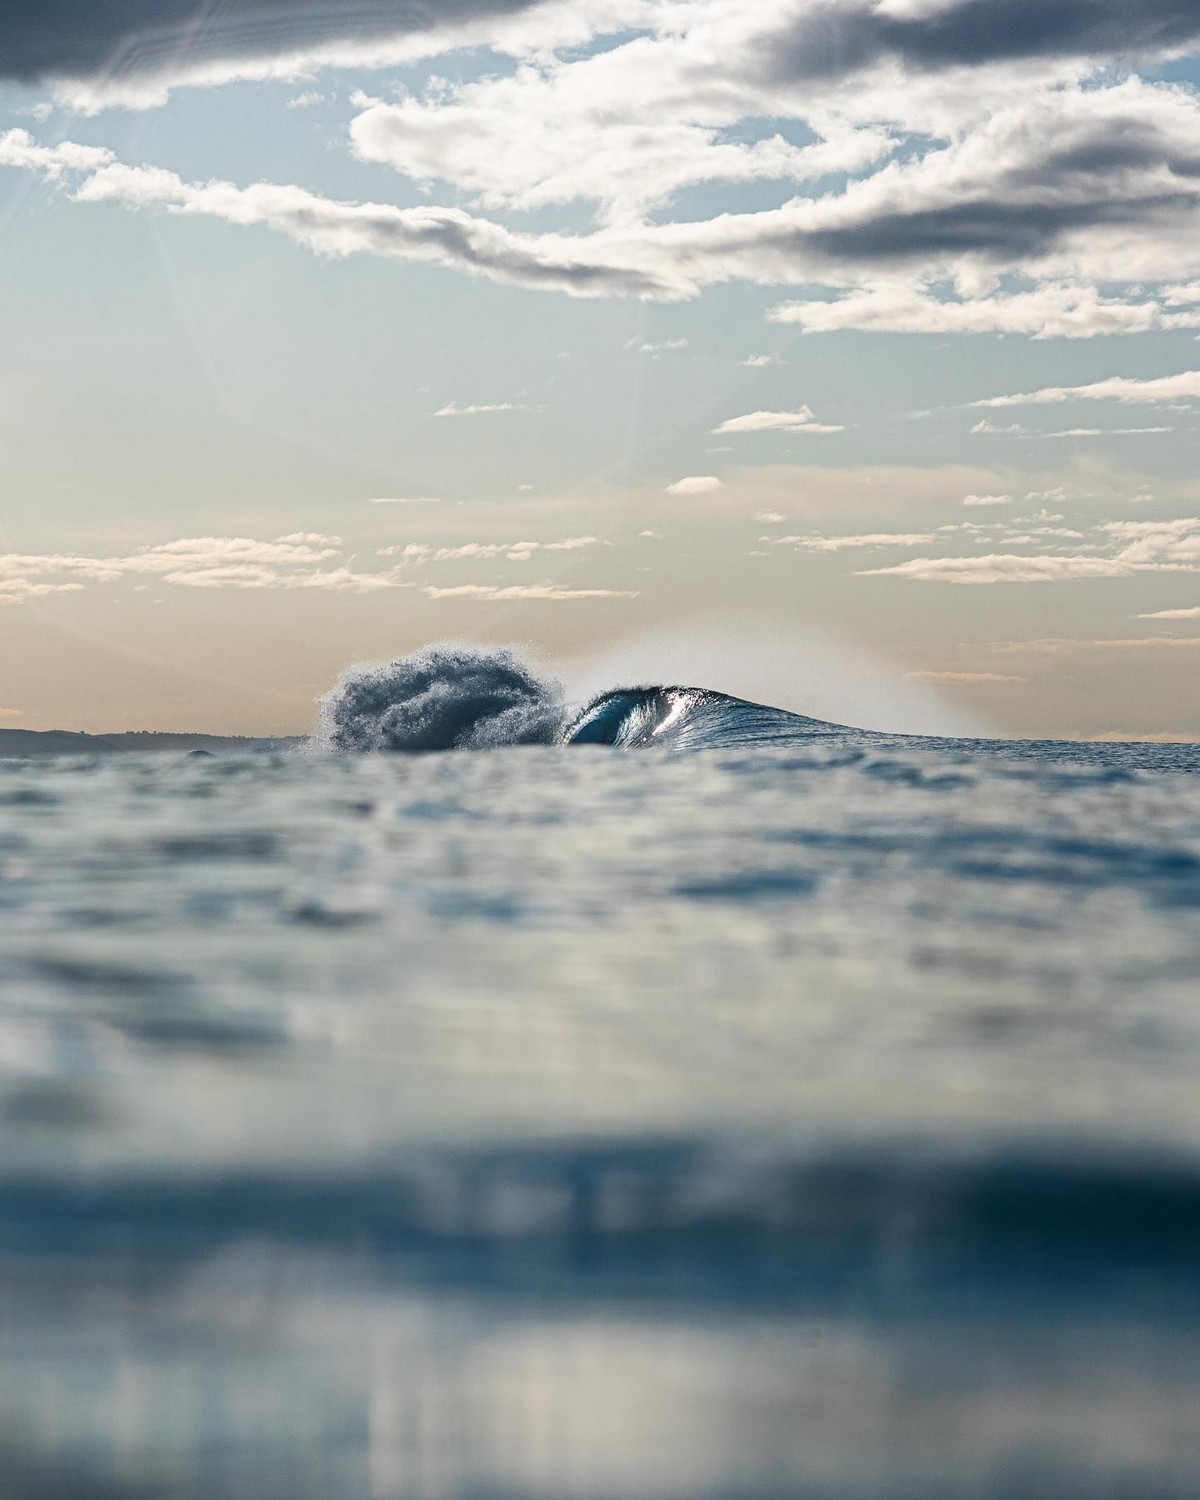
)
(447, 697)
(442, 698)
(453, 697)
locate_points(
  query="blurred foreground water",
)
(819, 1121)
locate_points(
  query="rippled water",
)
(813, 1121)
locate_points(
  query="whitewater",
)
(658, 1096)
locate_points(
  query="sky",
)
(839, 353)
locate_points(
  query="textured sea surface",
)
(817, 1116)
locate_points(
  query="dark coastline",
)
(23, 744)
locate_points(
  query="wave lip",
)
(688, 718)
(443, 697)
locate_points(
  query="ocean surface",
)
(697, 1101)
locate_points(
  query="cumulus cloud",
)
(133, 51)
(999, 568)
(1123, 548)
(987, 499)
(420, 553)
(1050, 311)
(966, 141)
(299, 560)
(664, 346)
(776, 421)
(695, 484)
(833, 40)
(813, 543)
(1169, 389)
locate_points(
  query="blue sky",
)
(839, 353)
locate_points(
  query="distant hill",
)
(22, 744)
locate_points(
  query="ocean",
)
(675, 1098)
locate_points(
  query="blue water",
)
(765, 1109)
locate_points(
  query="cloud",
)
(546, 591)
(964, 142)
(812, 543)
(987, 499)
(993, 429)
(758, 361)
(407, 500)
(1069, 645)
(695, 484)
(999, 568)
(417, 554)
(1078, 432)
(834, 40)
(452, 409)
(1173, 614)
(1163, 388)
(299, 560)
(1132, 547)
(1157, 544)
(664, 346)
(775, 421)
(133, 51)
(1050, 311)
(446, 236)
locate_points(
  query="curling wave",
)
(688, 718)
(449, 697)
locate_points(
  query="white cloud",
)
(417, 554)
(548, 591)
(663, 347)
(758, 361)
(812, 543)
(1164, 388)
(1132, 547)
(999, 568)
(1050, 311)
(775, 421)
(770, 517)
(1009, 429)
(19, 149)
(1157, 544)
(407, 500)
(1173, 614)
(987, 499)
(299, 560)
(452, 408)
(1078, 432)
(957, 161)
(695, 484)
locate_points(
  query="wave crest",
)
(442, 698)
